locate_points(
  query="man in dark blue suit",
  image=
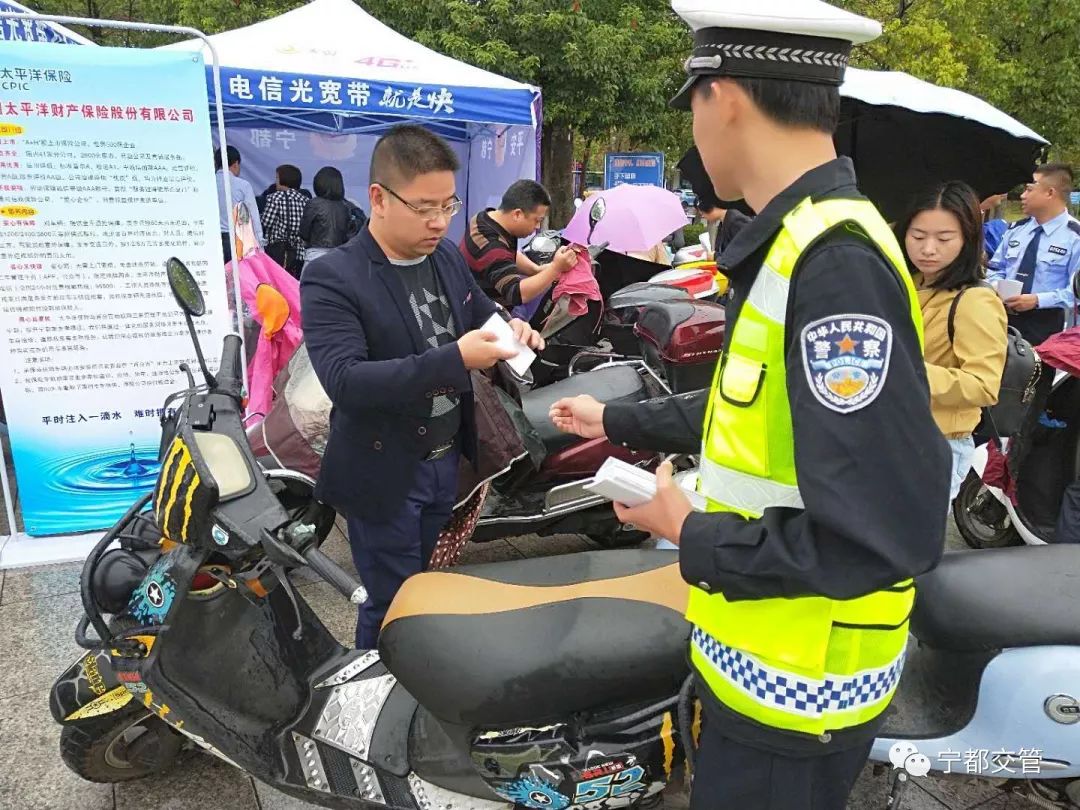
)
(392, 324)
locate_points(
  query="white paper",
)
(626, 484)
(623, 483)
(1009, 288)
(524, 358)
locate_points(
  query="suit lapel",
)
(389, 277)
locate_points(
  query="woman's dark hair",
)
(289, 176)
(960, 200)
(329, 184)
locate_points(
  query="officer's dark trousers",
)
(225, 252)
(388, 552)
(1036, 325)
(731, 776)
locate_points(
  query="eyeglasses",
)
(428, 213)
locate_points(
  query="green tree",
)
(109, 10)
(605, 66)
(210, 16)
(1019, 56)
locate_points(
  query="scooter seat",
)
(611, 384)
(536, 640)
(999, 598)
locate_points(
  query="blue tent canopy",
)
(329, 66)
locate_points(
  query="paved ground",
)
(38, 612)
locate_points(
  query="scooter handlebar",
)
(596, 250)
(333, 573)
(228, 376)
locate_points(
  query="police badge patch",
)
(846, 359)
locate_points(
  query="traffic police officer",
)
(1043, 252)
(826, 479)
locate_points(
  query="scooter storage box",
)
(626, 305)
(624, 308)
(684, 338)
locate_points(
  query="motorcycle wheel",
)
(121, 746)
(980, 518)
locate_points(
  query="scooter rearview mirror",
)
(596, 213)
(185, 290)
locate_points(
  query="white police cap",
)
(797, 40)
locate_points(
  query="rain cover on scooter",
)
(296, 430)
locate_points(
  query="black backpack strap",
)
(956, 303)
(952, 313)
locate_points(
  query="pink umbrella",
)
(628, 218)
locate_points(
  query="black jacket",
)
(326, 223)
(874, 481)
(378, 371)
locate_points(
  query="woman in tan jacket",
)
(942, 238)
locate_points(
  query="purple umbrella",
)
(628, 218)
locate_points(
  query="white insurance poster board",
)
(106, 171)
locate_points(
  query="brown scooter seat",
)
(536, 640)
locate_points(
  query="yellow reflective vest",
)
(809, 664)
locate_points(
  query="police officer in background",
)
(1042, 251)
(826, 479)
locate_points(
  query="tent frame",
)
(77, 545)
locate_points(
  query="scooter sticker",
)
(616, 779)
(606, 781)
(133, 682)
(118, 698)
(93, 675)
(152, 600)
(536, 789)
(221, 537)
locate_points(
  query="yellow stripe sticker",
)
(178, 477)
(118, 698)
(163, 477)
(695, 730)
(666, 730)
(187, 504)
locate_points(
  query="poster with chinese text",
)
(635, 168)
(106, 171)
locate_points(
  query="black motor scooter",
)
(556, 687)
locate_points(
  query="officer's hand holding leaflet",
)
(663, 516)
